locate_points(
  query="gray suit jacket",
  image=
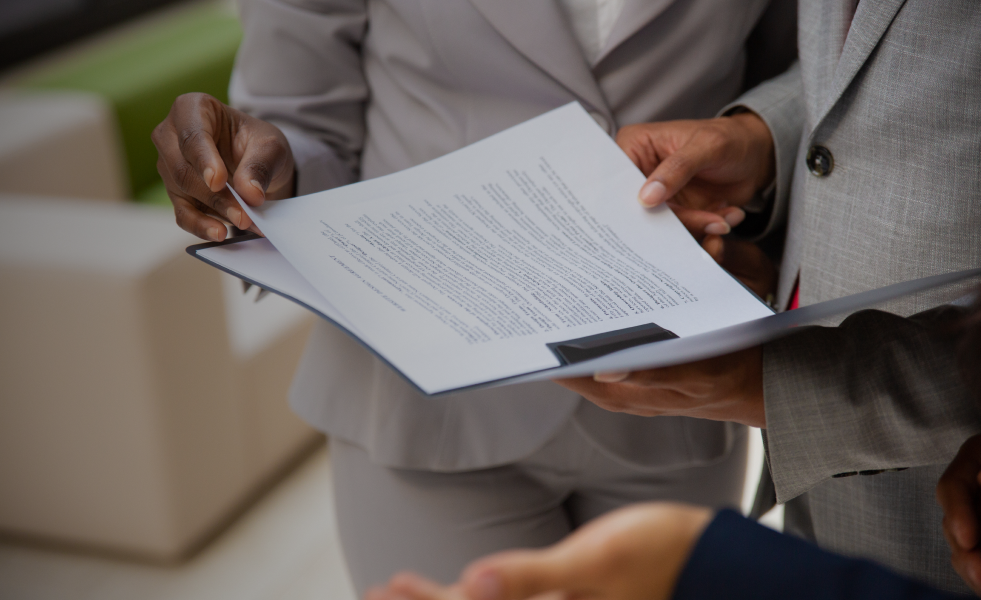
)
(898, 105)
(365, 88)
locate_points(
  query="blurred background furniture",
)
(63, 143)
(131, 419)
(140, 70)
(31, 27)
(142, 395)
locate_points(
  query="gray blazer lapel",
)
(636, 14)
(872, 19)
(540, 30)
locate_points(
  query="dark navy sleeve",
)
(738, 558)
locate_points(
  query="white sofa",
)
(142, 397)
(60, 144)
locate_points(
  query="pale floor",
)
(284, 548)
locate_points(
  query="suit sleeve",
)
(779, 102)
(300, 67)
(878, 392)
(737, 558)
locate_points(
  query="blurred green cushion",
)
(142, 72)
(155, 195)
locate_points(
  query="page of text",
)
(460, 271)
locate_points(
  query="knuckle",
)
(181, 215)
(214, 201)
(678, 165)
(157, 134)
(711, 137)
(190, 100)
(184, 175)
(260, 171)
(188, 137)
(626, 132)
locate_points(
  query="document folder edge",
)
(193, 251)
(576, 369)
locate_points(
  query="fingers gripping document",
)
(506, 259)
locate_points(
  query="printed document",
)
(470, 268)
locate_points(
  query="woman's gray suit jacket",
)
(365, 88)
(895, 103)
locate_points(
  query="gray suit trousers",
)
(393, 519)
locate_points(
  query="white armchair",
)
(131, 418)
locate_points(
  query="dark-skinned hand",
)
(201, 144)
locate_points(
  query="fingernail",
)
(258, 186)
(735, 217)
(717, 228)
(611, 376)
(235, 216)
(487, 586)
(652, 193)
(217, 233)
(209, 177)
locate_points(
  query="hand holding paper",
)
(704, 169)
(479, 267)
(196, 141)
(465, 270)
(723, 388)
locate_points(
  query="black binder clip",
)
(593, 346)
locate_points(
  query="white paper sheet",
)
(263, 265)
(461, 270)
(257, 261)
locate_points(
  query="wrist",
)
(749, 406)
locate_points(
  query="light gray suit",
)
(365, 88)
(898, 106)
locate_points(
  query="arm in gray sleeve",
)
(780, 103)
(877, 392)
(299, 67)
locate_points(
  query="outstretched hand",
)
(634, 553)
(202, 142)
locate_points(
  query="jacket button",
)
(820, 161)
